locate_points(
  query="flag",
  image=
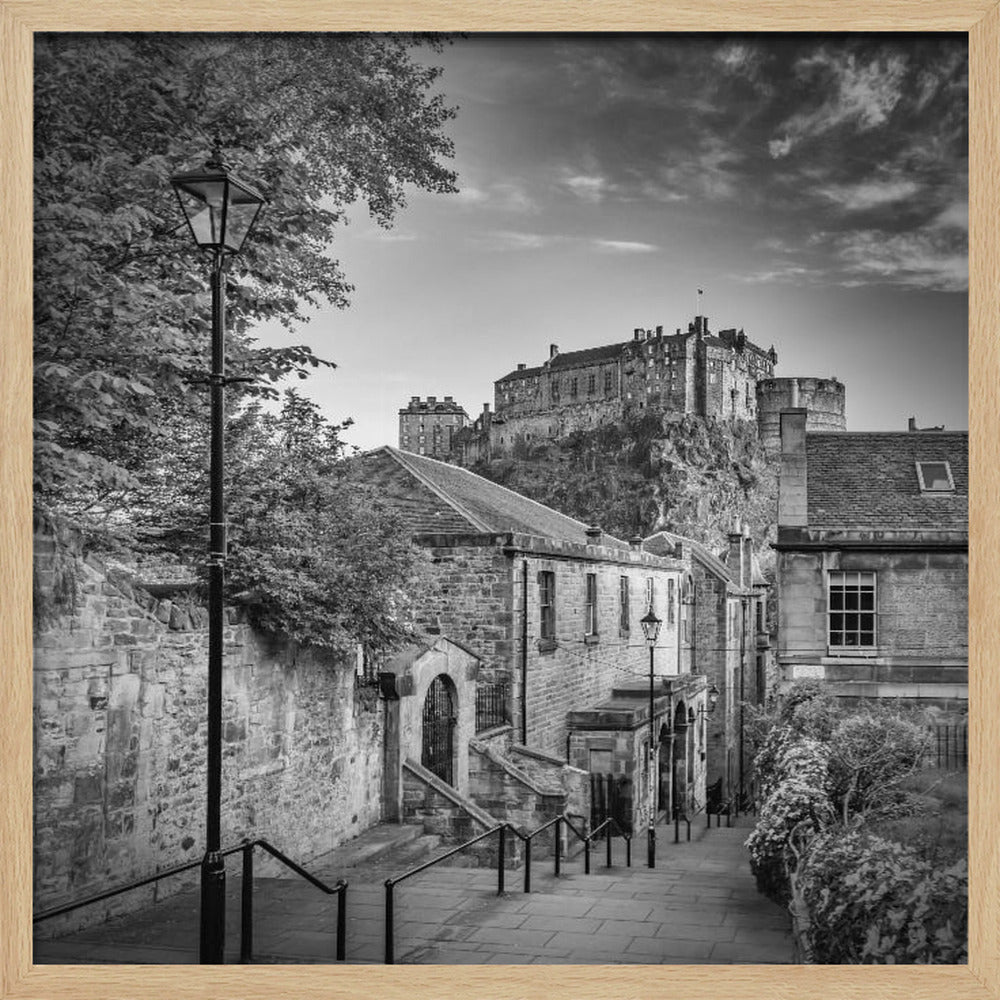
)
(701, 291)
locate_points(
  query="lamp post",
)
(651, 630)
(220, 210)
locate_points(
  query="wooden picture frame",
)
(19, 19)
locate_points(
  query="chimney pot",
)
(635, 543)
(659, 330)
(432, 399)
(449, 399)
(521, 367)
(594, 533)
(637, 333)
(553, 350)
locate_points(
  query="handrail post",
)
(677, 826)
(688, 822)
(558, 842)
(607, 836)
(500, 859)
(342, 921)
(628, 852)
(586, 855)
(527, 865)
(246, 907)
(389, 957)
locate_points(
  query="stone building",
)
(729, 644)
(872, 563)
(428, 426)
(551, 607)
(695, 371)
(823, 399)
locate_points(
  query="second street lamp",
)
(220, 210)
(651, 630)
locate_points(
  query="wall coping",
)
(453, 795)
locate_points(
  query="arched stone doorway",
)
(440, 716)
(681, 783)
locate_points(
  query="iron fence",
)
(950, 748)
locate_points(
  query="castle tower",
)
(823, 400)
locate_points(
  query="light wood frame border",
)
(18, 977)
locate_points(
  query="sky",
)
(815, 187)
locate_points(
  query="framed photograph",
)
(890, 240)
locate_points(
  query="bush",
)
(870, 754)
(796, 802)
(874, 901)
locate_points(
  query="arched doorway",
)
(437, 752)
(680, 781)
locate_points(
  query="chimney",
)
(449, 399)
(747, 556)
(553, 351)
(659, 330)
(432, 399)
(486, 408)
(795, 393)
(414, 399)
(912, 426)
(792, 497)
(521, 366)
(594, 535)
(649, 335)
(635, 543)
(637, 333)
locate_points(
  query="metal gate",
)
(438, 729)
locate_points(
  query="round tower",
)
(821, 398)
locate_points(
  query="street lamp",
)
(220, 210)
(713, 700)
(651, 629)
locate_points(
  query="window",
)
(573, 388)
(670, 601)
(607, 381)
(591, 383)
(590, 610)
(852, 610)
(547, 604)
(649, 594)
(935, 477)
(623, 612)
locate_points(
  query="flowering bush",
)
(874, 901)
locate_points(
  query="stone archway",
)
(438, 721)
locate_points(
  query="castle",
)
(721, 375)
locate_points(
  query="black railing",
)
(951, 746)
(246, 902)
(501, 830)
(391, 883)
(492, 705)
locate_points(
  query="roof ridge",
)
(520, 496)
(400, 457)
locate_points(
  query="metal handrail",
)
(246, 908)
(392, 882)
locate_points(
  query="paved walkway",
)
(699, 905)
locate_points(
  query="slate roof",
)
(662, 541)
(588, 356)
(521, 373)
(434, 497)
(870, 480)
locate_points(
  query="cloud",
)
(869, 194)
(509, 239)
(925, 259)
(955, 216)
(625, 246)
(588, 187)
(501, 196)
(860, 93)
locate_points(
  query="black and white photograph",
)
(500, 499)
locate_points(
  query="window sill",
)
(842, 651)
(547, 645)
(591, 640)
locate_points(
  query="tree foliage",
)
(313, 552)
(121, 298)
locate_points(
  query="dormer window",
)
(935, 477)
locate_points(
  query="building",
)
(872, 563)
(823, 399)
(427, 427)
(695, 371)
(551, 608)
(729, 643)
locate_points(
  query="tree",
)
(316, 121)
(314, 554)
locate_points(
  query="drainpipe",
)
(524, 654)
(743, 666)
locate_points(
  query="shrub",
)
(870, 753)
(795, 804)
(874, 901)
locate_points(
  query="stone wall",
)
(120, 730)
